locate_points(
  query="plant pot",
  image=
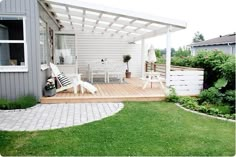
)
(128, 74)
(49, 93)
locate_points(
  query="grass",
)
(141, 129)
(20, 103)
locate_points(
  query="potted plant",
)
(126, 59)
(50, 88)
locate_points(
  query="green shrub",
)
(230, 96)
(182, 61)
(216, 65)
(182, 53)
(26, 101)
(172, 96)
(223, 109)
(189, 102)
(4, 104)
(229, 99)
(211, 95)
(158, 53)
(208, 108)
(20, 103)
(161, 60)
(227, 70)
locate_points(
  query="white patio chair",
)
(115, 69)
(97, 68)
(66, 83)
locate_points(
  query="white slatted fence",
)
(186, 81)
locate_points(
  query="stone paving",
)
(52, 116)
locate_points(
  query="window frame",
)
(14, 68)
(45, 66)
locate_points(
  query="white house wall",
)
(91, 46)
(225, 48)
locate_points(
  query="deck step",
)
(52, 100)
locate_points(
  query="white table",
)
(107, 69)
(151, 77)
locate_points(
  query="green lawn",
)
(144, 128)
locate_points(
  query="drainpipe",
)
(231, 48)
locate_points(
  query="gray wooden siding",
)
(15, 84)
(92, 46)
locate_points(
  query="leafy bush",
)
(229, 98)
(172, 96)
(26, 101)
(161, 60)
(216, 65)
(20, 103)
(205, 107)
(4, 104)
(189, 102)
(182, 61)
(182, 53)
(227, 70)
(158, 53)
(211, 95)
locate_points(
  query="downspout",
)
(231, 48)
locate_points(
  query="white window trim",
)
(45, 66)
(17, 68)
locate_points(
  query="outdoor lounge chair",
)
(66, 83)
(115, 69)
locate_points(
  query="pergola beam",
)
(111, 23)
(150, 34)
(99, 17)
(68, 12)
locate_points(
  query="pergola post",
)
(142, 57)
(168, 55)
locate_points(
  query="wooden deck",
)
(129, 91)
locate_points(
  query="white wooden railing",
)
(185, 80)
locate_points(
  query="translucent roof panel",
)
(100, 19)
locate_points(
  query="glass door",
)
(65, 52)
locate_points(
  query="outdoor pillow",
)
(65, 81)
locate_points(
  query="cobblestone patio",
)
(46, 117)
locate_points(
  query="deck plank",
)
(129, 91)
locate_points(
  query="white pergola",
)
(127, 25)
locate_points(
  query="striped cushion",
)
(65, 81)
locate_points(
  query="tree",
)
(158, 53)
(198, 37)
(182, 52)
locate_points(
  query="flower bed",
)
(192, 103)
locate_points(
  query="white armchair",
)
(115, 69)
(97, 68)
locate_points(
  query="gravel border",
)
(203, 114)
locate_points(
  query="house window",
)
(13, 47)
(43, 44)
(65, 49)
